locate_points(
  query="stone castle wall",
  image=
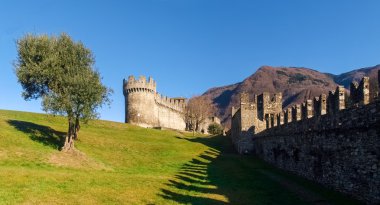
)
(252, 117)
(339, 150)
(145, 107)
(240, 132)
(331, 140)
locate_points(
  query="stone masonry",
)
(252, 117)
(147, 108)
(329, 140)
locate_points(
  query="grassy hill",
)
(122, 164)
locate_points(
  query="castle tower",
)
(140, 101)
(248, 112)
(268, 105)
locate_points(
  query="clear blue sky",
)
(189, 46)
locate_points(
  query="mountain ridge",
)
(296, 84)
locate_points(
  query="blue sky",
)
(188, 46)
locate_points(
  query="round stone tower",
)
(140, 103)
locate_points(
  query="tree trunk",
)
(76, 129)
(69, 144)
(69, 139)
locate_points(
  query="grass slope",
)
(122, 164)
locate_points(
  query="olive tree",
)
(61, 72)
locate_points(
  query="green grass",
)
(123, 164)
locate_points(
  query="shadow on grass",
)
(220, 176)
(40, 133)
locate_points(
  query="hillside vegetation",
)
(117, 163)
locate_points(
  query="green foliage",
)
(215, 129)
(60, 71)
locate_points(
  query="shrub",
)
(215, 129)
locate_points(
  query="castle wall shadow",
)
(220, 176)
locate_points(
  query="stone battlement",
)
(360, 92)
(268, 108)
(139, 85)
(177, 104)
(252, 117)
(268, 104)
(335, 106)
(339, 150)
(332, 139)
(332, 104)
(145, 107)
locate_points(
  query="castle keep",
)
(145, 107)
(331, 139)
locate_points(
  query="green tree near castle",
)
(61, 72)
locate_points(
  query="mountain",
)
(356, 75)
(295, 83)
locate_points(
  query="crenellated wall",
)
(341, 150)
(147, 108)
(307, 109)
(252, 117)
(243, 119)
(360, 92)
(296, 113)
(336, 100)
(319, 104)
(267, 104)
(331, 140)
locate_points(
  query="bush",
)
(215, 129)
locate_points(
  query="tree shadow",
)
(40, 133)
(220, 176)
